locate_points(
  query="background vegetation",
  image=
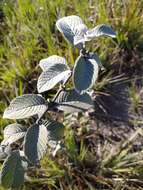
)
(103, 150)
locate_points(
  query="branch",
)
(38, 121)
(62, 87)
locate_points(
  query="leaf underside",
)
(35, 143)
(45, 64)
(73, 29)
(100, 30)
(13, 129)
(13, 133)
(25, 106)
(77, 33)
(49, 78)
(70, 101)
(85, 73)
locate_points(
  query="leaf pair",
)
(76, 32)
(55, 70)
(31, 104)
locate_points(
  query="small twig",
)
(58, 92)
(67, 79)
(62, 87)
(84, 52)
(38, 121)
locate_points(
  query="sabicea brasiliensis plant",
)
(34, 140)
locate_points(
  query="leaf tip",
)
(5, 114)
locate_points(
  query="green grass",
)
(92, 159)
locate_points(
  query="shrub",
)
(34, 141)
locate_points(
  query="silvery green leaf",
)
(100, 30)
(13, 133)
(72, 28)
(13, 128)
(55, 130)
(49, 78)
(12, 174)
(85, 72)
(70, 101)
(13, 138)
(45, 64)
(25, 106)
(35, 143)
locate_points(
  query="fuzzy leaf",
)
(12, 174)
(35, 143)
(101, 30)
(14, 138)
(45, 64)
(85, 72)
(25, 106)
(49, 78)
(70, 101)
(73, 29)
(13, 129)
(13, 133)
